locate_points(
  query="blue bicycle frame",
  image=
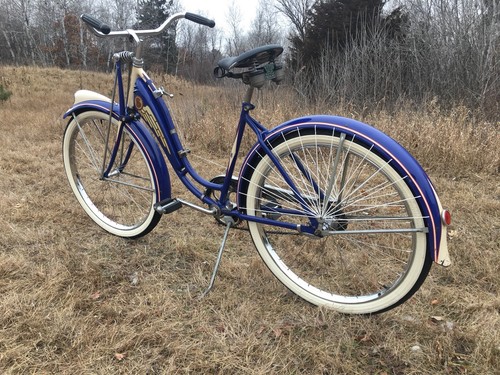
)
(150, 109)
(320, 176)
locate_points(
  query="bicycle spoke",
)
(122, 202)
(369, 220)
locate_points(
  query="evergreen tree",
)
(333, 24)
(161, 51)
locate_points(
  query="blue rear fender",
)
(386, 147)
(150, 147)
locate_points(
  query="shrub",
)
(4, 93)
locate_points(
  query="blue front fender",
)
(388, 149)
(138, 129)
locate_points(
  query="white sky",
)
(218, 10)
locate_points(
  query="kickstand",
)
(230, 223)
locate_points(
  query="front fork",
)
(120, 150)
(118, 86)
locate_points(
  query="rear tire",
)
(122, 203)
(342, 267)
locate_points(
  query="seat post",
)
(248, 95)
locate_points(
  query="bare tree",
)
(454, 48)
(265, 28)
(9, 23)
(235, 41)
(199, 50)
(296, 12)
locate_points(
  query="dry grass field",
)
(76, 300)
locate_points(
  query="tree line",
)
(381, 53)
(364, 52)
(50, 33)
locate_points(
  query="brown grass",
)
(68, 306)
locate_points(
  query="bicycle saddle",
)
(248, 59)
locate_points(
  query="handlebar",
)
(96, 24)
(199, 19)
(103, 30)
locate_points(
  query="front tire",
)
(123, 202)
(369, 252)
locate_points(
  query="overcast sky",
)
(217, 10)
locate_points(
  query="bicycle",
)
(339, 212)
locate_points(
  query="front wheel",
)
(122, 200)
(367, 252)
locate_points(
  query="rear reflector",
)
(446, 217)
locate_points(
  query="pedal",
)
(167, 206)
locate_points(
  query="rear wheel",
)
(123, 201)
(368, 253)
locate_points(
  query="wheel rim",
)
(353, 272)
(123, 203)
